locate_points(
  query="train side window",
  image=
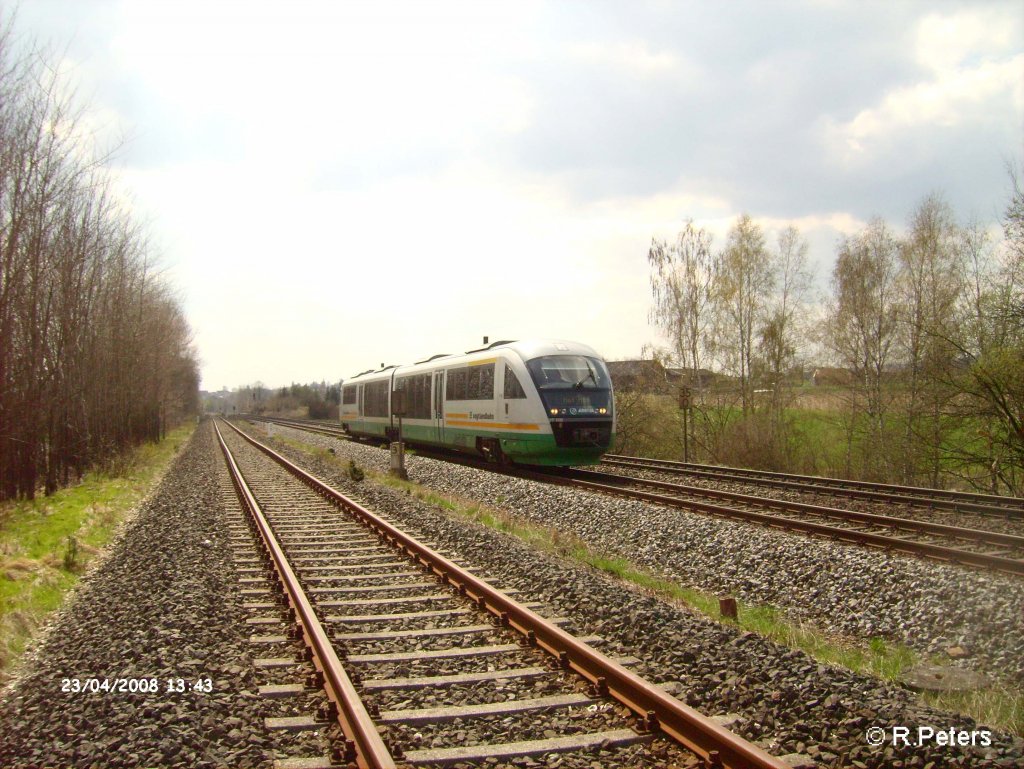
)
(485, 382)
(417, 395)
(479, 382)
(473, 383)
(375, 399)
(421, 407)
(456, 388)
(403, 386)
(512, 387)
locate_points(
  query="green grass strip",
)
(46, 543)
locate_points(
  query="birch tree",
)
(783, 332)
(681, 282)
(931, 281)
(743, 283)
(862, 331)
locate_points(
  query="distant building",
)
(700, 379)
(639, 375)
(832, 377)
(651, 376)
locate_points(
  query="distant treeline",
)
(926, 329)
(95, 354)
(316, 400)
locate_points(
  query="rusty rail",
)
(961, 501)
(977, 536)
(939, 552)
(366, 746)
(881, 541)
(917, 496)
(657, 709)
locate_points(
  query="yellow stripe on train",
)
(501, 425)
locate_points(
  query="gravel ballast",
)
(777, 696)
(163, 604)
(848, 590)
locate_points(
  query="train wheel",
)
(491, 449)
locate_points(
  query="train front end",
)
(575, 391)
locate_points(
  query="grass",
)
(46, 543)
(996, 706)
(822, 437)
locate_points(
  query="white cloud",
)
(383, 181)
(948, 42)
(974, 75)
(635, 57)
(957, 97)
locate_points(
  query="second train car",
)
(530, 402)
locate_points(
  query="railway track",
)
(936, 499)
(954, 544)
(916, 496)
(973, 547)
(413, 659)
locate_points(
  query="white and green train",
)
(533, 402)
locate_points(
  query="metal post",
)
(686, 436)
(684, 406)
(398, 447)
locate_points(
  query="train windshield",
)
(572, 385)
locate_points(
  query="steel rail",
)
(978, 536)
(917, 496)
(299, 424)
(355, 722)
(963, 501)
(939, 552)
(657, 709)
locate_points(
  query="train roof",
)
(526, 349)
(536, 348)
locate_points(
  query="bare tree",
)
(682, 275)
(1013, 234)
(987, 334)
(681, 281)
(94, 355)
(862, 331)
(743, 284)
(931, 282)
(783, 329)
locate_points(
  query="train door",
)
(513, 397)
(439, 406)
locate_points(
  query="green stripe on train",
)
(520, 447)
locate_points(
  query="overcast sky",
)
(332, 185)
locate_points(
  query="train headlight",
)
(602, 411)
(554, 412)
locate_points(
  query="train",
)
(537, 402)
